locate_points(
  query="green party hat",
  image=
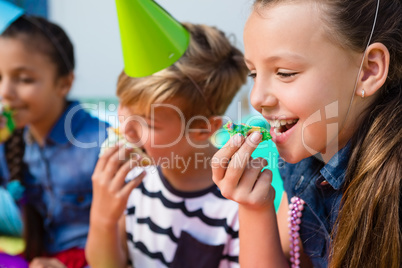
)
(151, 38)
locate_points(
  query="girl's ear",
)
(65, 83)
(375, 69)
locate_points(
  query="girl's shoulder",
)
(307, 165)
(80, 121)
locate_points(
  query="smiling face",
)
(303, 81)
(29, 84)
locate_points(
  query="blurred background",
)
(93, 28)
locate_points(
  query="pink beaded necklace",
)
(296, 207)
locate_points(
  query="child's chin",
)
(290, 157)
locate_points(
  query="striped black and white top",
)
(170, 228)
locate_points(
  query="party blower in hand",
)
(7, 124)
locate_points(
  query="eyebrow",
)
(24, 69)
(281, 56)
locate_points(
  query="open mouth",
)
(280, 126)
(129, 143)
(140, 153)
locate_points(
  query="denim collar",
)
(335, 170)
(65, 126)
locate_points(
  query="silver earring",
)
(363, 93)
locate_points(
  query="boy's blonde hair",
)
(205, 78)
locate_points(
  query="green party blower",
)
(246, 130)
(7, 124)
(151, 38)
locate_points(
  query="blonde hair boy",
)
(175, 216)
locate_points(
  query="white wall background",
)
(92, 25)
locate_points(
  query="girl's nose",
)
(6, 89)
(261, 96)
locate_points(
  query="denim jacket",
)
(59, 180)
(320, 186)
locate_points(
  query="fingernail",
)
(255, 137)
(237, 140)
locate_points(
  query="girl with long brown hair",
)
(54, 151)
(327, 77)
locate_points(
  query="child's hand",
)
(239, 176)
(43, 262)
(3, 121)
(110, 192)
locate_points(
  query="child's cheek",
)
(121, 119)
